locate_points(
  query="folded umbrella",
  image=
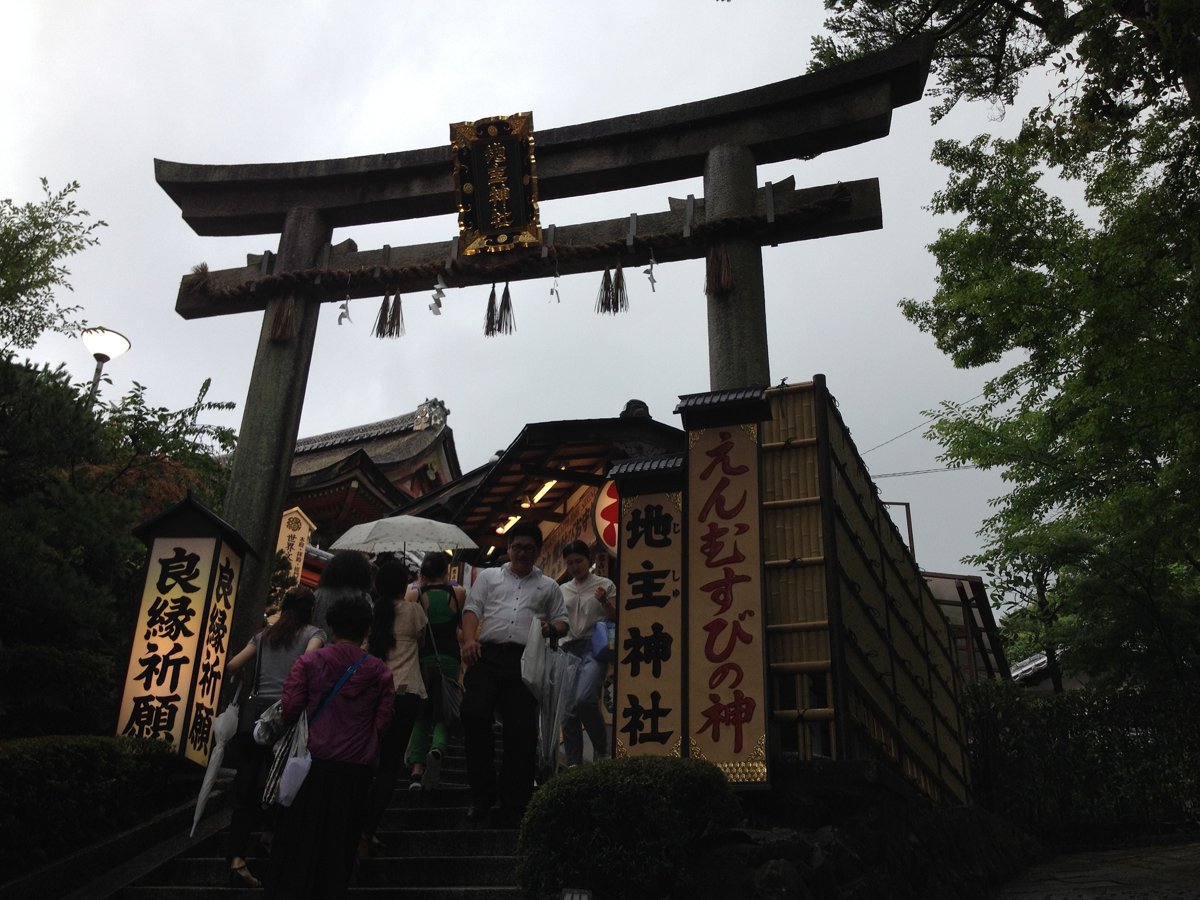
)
(224, 727)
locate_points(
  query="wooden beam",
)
(801, 117)
(817, 212)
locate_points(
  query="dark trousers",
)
(248, 784)
(493, 685)
(391, 758)
(315, 847)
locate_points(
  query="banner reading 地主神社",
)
(649, 719)
(726, 699)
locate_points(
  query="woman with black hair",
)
(396, 632)
(273, 651)
(347, 575)
(589, 600)
(317, 841)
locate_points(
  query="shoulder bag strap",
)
(337, 687)
(257, 656)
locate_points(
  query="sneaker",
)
(433, 769)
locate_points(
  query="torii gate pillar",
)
(271, 418)
(737, 307)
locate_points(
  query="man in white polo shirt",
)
(496, 618)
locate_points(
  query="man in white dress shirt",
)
(496, 618)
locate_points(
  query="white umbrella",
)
(400, 534)
(224, 727)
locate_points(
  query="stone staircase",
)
(428, 850)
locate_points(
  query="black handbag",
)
(253, 706)
(445, 693)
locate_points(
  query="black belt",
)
(498, 651)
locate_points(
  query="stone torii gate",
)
(723, 139)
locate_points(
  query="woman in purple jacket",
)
(315, 846)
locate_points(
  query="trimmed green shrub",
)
(1094, 763)
(623, 828)
(62, 793)
(56, 690)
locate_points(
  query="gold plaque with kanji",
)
(495, 183)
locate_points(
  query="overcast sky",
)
(95, 92)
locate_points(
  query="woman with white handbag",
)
(273, 651)
(346, 696)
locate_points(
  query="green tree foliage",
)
(35, 238)
(74, 481)
(1096, 425)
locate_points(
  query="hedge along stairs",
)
(428, 851)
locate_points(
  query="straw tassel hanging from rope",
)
(718, 275)
(502, 320)
(489, 324)
(604, 297)
(390, 321)
(613, 296)
(381, 320)
(396, 319)
(620, 294)
(506, 322)
(283, 324)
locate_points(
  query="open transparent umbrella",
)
(400, 534)
(224, 727)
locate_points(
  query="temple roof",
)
(341, 478)
(387, 442)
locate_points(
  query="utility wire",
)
(897, 437)
(925, 471)
(910, 431)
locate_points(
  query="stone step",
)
(428, 850)
(193, 892)
(407, 871)
(404, 842)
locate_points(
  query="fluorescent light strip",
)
(544, 491)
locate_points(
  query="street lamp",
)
(104, 344)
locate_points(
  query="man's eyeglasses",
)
(522, 548)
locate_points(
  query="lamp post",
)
(104, 344)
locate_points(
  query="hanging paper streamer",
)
(506, 321)
(604, 297)
(439, 291)
(489, 324)
(344, 315)
(554, 287)
(649, 273)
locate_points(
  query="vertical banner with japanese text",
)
(213, 653)
(726, 690)
(295, 528)
(173, 681)
(649, 687)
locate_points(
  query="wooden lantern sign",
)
(173, 681)
(495, 182)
